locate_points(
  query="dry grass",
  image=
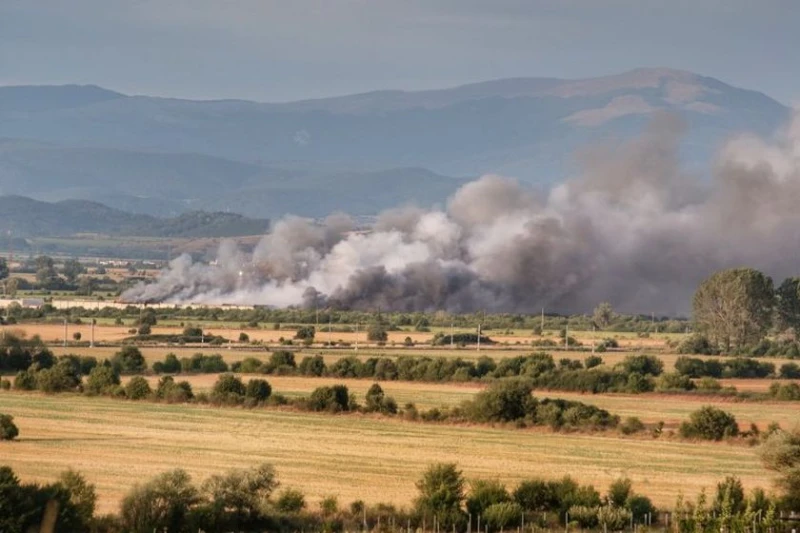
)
(651, 408)
(118, 443)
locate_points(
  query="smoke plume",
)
(632, 228)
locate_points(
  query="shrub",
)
(377, 333)
(144, 329)
(25, 380)
(697, 344)
(138, 388)
(59, 378)
(333, 399)
(282, 358)
(377, 401)
(312, 366)
(228, 385)
(503, 401)
(251, 365)
(129, 360)
(172, 392)
(244, 337)
(790, 371)
(102, 379)
(593, 361)
(709, 423)
(631, 425)
(642, 364)
(484, 493)
(535, 495)
(161, 504)
(8, 430)
(171, 365)
(503, 515)
(305, 333)
(290, 501)
(258, 389)
(441, 493)
(619, 491)
(674, 381)
(5, 384)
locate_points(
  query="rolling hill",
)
(358, 153)
(25, 217)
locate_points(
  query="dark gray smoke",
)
(632, 229)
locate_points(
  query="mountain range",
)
(358, 153)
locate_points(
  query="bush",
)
(138, 388)
(290, 501)
(377, 401)
(377, 333)
(171, 365)
(8, 430)
(312, 366)
(25, 380)
(172, 392)
(790, 371)
(5, 384)
(228, 385)
(258, 389)
(593, 361)
(102, 379)
(129, 360)
(332, 399)
(709, 423)
(674, 382)
(642, 364)
(697, 344)
(483, 494)
(62, 377)
(503, 515)
(244, 337)
(631, 425)
(503, 401)
(305, 333)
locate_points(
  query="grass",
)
(119, 443)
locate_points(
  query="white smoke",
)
(633, 229)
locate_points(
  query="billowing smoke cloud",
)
(633, 229)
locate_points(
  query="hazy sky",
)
(290, 49)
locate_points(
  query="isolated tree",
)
(8, 430)
(734, 307)
(787, 305)
(603, 315)
(441, 495)
(710, 423)
(71, 269)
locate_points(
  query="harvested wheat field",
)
(651, 408)
(118, 443)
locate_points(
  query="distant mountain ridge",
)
(25, 217)
(358, 153)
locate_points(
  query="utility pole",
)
(91, 340)
(65, 332)
(356, 336)
(452, 336)
(566, 335)
(542, 321)
(593, 339)
(330, 327)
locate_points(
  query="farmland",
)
(118, 443)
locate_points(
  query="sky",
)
(268, 50)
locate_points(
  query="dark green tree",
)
(8, 430)
(710, 423)
(161, 504)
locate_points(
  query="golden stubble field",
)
(54, 333)
(118, 443)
